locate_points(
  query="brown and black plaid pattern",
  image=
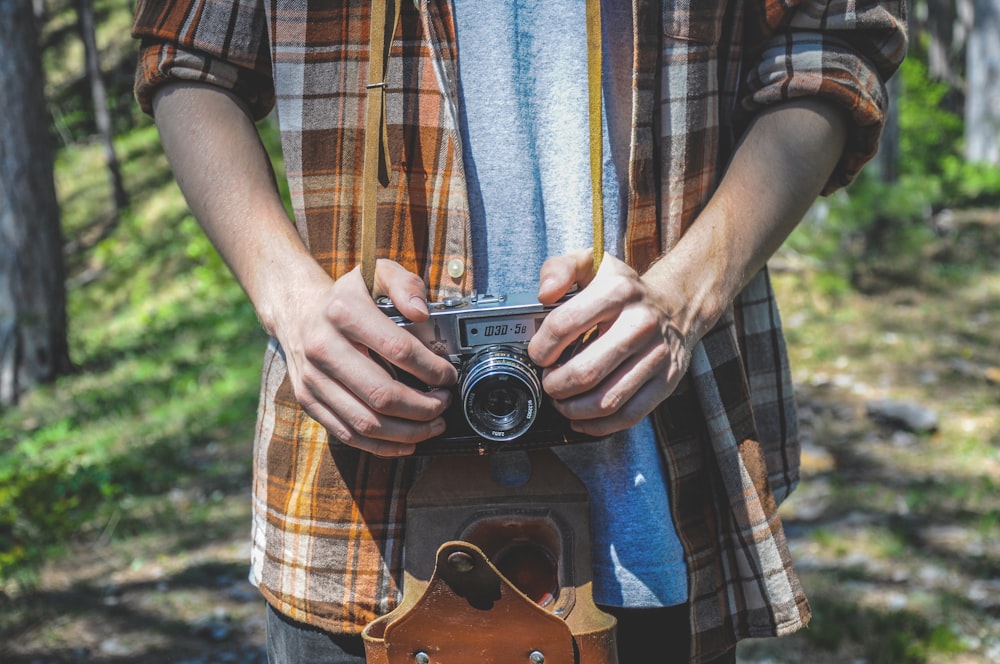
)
(328, 524)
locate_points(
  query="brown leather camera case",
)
(458, 607)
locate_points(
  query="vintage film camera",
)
(499, 400)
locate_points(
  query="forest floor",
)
(894, 528)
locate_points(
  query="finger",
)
(370, 384)
(630, 414)
(557, 333)
(406, 352)
(597, 305)
(367, 327)
(567, 323)
(406, 290)
(635, 336)
(341, 434)
(352, 422)
(619, 387)
(560, 273)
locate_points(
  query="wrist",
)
(282, 287)
(695, 282)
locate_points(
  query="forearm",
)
(224, 173)
(325, 327)
(777, 171)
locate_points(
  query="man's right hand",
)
(326, 328)
(326, 336)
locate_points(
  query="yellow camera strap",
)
(376, 156)
(376, 166)
(594, 72)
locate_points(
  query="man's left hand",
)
(635, 362)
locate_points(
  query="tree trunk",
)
(33, 347)
(99, 97)
(982, 100)
(941, 19)
(889, 155)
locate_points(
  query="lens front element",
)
(500, 393)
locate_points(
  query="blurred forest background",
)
(129, 365)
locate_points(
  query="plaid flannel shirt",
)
(328, 520)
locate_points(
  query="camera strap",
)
(376, 155)
(594, 74)
(377, 162)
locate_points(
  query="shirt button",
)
(456, 268)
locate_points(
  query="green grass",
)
(167, 351)
(166, 347)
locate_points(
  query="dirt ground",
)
(141, 599)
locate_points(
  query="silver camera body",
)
(499, 402)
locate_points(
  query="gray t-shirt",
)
(526, 142)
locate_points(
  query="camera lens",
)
(500, 393)
(502, 403)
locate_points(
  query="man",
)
(722, 122)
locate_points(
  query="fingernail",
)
(419, 303)
(447, 397)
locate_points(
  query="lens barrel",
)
(500, 393)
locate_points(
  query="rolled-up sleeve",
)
(218, 42)
(838, 50)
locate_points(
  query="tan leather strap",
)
(471, 613)
(376, 155)
(384, 19)
(594, 71)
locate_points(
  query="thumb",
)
(560, 274)
(406, 290)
